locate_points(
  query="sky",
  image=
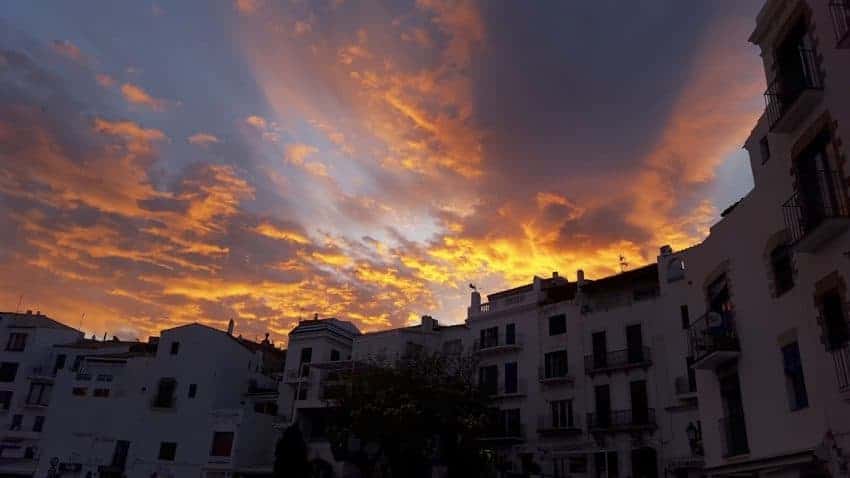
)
(267, 160)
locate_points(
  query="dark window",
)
(167, 450)
(60, 363)
(692, 375)
(306, 355)
(488, 379)
(555, 364)
(17, 342)
(334, 355)
(511, 423)
(600, 350)
(17, 422)
(558, 324)
(38, 424)
(602, 399)
(634, 343)
(640, 402)
(175, 348)
(795, 382)
(562, 413)
(119, 456)
(686, 316)
(489, 337)
(100, 392)
(836, 333)
(510, 334)
(164, 397)
(79, 391)
(193, 390)
(8, 371)
(266, 408)
(78, 360)
(222, 444)
(5, 399)
(511, 385)
(764, 148)
(39, 393)
(606, 464)
(675, 270)
(783, 269)
(302, 393)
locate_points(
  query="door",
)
(834, 323)
(487, 379)
(510, 334)
(734, 427)
(602, 395)
(510, 377)
(640, 402)
(600, 350)
(644, 463)
(634, 343)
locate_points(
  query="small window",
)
(39, 393)
(8, 371)
(555, 364)
(164, 397)
(167, 451)
(38, 424)
(101, 392)
(60, 363)
(686, 316)
(783, 269)
(334, 355)
(17, 422)
(764, 149)
(193, 390)
(558, 324)
(175, 348)
(562, 414)
(222, 444)
(17, 342)
(78, 361)
(510, 334)
(675, 269)
(79, 391)
(5, 399)
(795, 382)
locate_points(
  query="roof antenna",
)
(623, 264)
(20, 300)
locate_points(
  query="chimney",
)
(230, 325)
(580, 277)
(555, 275)
(29, 311)
(475, 303)
(428, 323)
(666, 250)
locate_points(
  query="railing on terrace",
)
(621, 419)
(617, 359)
(713, 332)
(840, 12)
(826, 198)
(787, 87)
(841, 361)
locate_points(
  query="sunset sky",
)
(172, 162)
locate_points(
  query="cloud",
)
(137, 95)
(247, 7)
(297, 153)
(105, 81)
(69, 50)
(302, 28)
(202, 139)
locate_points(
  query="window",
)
(39, 393)
(606, 464)
(558, 324)
(836, 333)
(675, 269)
(193, 390)
(167, 450)
(119, 455)
(222, 444)
(101, 392)
(266, 408)
(79, 391)
(511, 385)
(164, 397)
(17, 342)
(764, 149)
(488, 379)
(38, 424)
(175, 348)
(686, 316)
(555, 364)
(78, 361)
(782, 268)
(510, 334)
(334, 355)
(17, 422)
(8, 371)
(60, 363)
(5, 399)
(510, 422)
(489, 337)
(795, 383)
(562, 413)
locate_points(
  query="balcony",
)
(790, 97)
(841, 362)
(554, 378)
(498, 344)
(546, 426)
(840, 12)
(625, 359)
(818, 211)
(733, 436)
(295, 376)
(505, 434)
(622, 421)
(685, 390)
(502, 392)
(713, 340)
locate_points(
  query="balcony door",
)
(634, 343)
(818, 189)
(600, 350)
(640, 402)
(791, 63)
(733, 425)
(602, 396)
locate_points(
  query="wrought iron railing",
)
(841, 361)
(713, 332)
(786, 87)
(820, 195)
(498, 342)
(554, 375)
(840, 12)
(733, 435)
(546, 423)
(626, 358)
(620, 419)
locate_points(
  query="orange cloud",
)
(136, 95)
(202, 139)
(69, 50)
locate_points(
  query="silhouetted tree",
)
(290, 455)
(411, 414)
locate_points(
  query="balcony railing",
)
(297, 375)
(841, 361)
(713, 339)
(733, 435)
(684, 387)
(840, 12)
(620, 420)
(817, 210)
(554, 376)
(505, 433)
(499, 343)
(618, 359)
(787, 88)
(546, 425)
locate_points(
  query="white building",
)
(196, 401)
